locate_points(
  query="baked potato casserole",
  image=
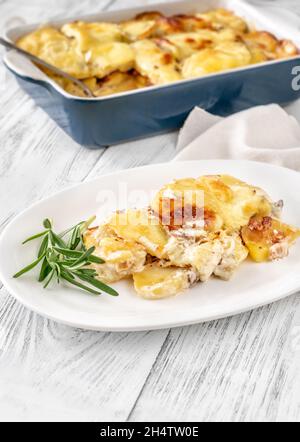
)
(152, 49)
(194, 229)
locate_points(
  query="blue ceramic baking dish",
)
(145, 112)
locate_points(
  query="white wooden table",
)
(244, 368)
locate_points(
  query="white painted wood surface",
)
(239, 369)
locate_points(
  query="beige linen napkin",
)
(264, 133)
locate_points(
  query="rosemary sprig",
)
(64, 257)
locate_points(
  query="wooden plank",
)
(53, 372)
(236, 369)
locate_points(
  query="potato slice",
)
(156, 282)
(234, 253)
(222, 18)
(268, 238)
(54, 47)
(153, 62)
(206, 257)
(228, 202)
(122, 257)
(220, 254)
(163, 25)
(187, 23)
(184, 204)
(149, 15)
(136, 30)
(90, 35)
(173, 24)
(142, 227)
(187, 43)
(223, 56)
(118, 82)
(287, 49)
(111, 84)
(234, 200)
(262, 39)
(109, 57)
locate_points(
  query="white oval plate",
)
(254, 285)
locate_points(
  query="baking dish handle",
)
(24, 68)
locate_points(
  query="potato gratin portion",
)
(194, 229)
(152, 49)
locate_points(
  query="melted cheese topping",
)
(221, 18)
(151, 61)
(55, 48)
(220, 201)
(223, 56)
(161, 49)
(122, 257)
(187, 43)
(136, 30)
(234, 200)
(109, 57)
(89, 36)
(268, 238)
(142, 227)
(232, 220)
(156, 282)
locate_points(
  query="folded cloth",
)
(264, 133)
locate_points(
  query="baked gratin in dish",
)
(194, 229)
(152, 49)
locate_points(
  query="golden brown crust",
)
(183, 239)
(267, 237)
(152, 49)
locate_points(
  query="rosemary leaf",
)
(65, 232)
(45, 270)
(77, 254)
(78, 284)
(87, 272)
(50, 277)
(38, 235)
(63, 270)
(84, 257)
(74, 240)
(57, 240)
(47, 223)
(29, 267)
(96, 283)
(96, 260)
(67, 259)
(43, 246)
